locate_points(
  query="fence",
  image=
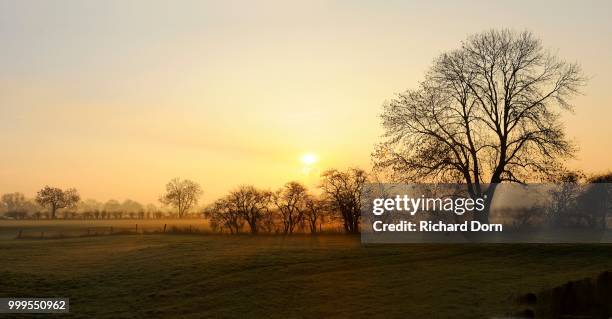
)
(28, 233)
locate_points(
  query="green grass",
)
(194, 276)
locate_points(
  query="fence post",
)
(136, 228)
(165, 227)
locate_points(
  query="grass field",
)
(199, 276)
(9, 229)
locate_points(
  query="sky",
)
(116, 98)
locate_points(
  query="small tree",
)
(113, 208)
(55, 198)
(181, 194)
(595, 201)
(132, 208)
(88, 207)
(14, 205)
(316, 210)
(223, 214)
(344, 191)
(251, 204)
(563, 196)
(291, 204)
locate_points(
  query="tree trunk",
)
(356, 224)
(483, 217)
(253, 225)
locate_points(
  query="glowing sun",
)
(309, 159)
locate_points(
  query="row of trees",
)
(50, 201)
(292, 207)
(15, 205)
(287, 210)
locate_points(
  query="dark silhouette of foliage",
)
(291, 201)
(485, 113)
(55, 198)
(223, 214)
(343, 188)
(181, 194)
(251, 204)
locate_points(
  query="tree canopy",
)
(485, 113)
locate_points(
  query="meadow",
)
(267, 276)
(48, 228)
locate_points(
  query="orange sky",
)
(118, 97)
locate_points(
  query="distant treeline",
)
(292, 208)
(575, 201)
(17, 206)
(295, 208)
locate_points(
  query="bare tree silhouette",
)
(251, 204)
(343, 188)
(316, 211)
(224, 214)
(485, 113)
(291, 204)
(182, 194)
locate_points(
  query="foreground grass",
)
(186, 276)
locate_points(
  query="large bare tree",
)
(485, 113)
(182, 194)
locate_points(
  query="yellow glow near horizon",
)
(309, 159)
(259, 93)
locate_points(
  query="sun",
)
(309, 159)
